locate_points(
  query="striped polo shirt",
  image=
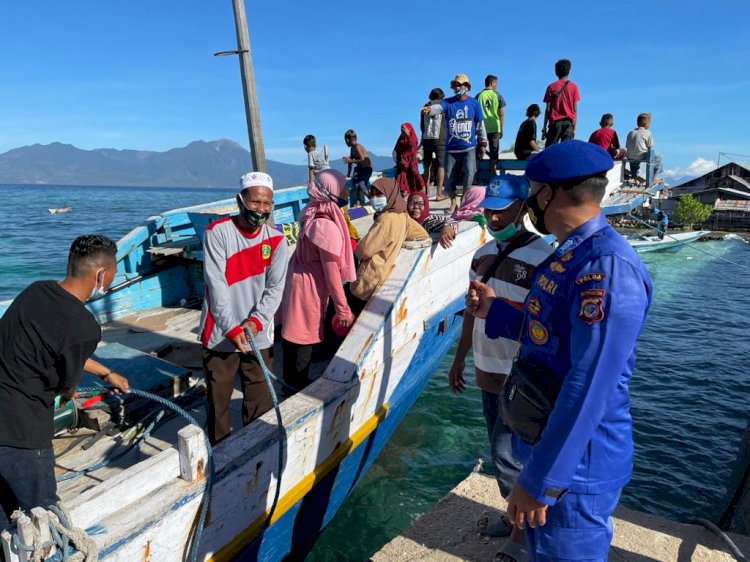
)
(512, 280)
(244, 275)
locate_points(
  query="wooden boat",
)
(672, 241)
(144, 505)
(60, 210)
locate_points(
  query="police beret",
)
(567, 161)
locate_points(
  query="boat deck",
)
(170, 334)
(448, 533)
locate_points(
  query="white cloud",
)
(697, 167)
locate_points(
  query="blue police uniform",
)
(580, 323)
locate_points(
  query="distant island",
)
(218, 163)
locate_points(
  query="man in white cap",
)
(464, 123)
(244, 268)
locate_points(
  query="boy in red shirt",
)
(606, 137)
(562, 99)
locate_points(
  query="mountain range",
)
(218, 163)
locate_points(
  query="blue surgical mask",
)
(504, 233)
(98, 290)
(378, 202)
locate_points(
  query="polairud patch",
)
(592, 302)
(538, 333)
(590, 277)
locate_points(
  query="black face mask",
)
(535, 212)
(254, 218)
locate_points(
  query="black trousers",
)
(27, 480)
(560, 131)
(297, 359)
(221, 369)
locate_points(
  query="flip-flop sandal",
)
(512, 551)
(500, 527)
(443, 198)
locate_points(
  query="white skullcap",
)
(256, 179)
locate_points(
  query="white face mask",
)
(98, 290)
(378, 202)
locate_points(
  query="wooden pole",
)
(257, 152)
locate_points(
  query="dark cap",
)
(567, 161)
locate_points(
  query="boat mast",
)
(257, 152)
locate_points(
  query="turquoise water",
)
(689, 391)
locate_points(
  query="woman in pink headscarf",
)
(469, 208)
(408, 178)
(321, 262)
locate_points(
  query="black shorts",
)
(493, 144)
(433, 148)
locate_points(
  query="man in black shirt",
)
(47, 337)
(526, 138)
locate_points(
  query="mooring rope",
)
(268, 375)
(666, 234)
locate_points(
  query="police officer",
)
(578, 327)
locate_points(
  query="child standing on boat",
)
(360, 160)
(244, 268)
(562, 99)
(316, 161)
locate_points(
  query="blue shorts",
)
(579, 527)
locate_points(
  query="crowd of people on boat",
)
(553, 331)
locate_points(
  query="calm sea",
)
(689, 392)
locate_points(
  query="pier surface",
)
(448, 533)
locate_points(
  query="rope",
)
(195, 543)
(724, 539)
(63, 535)
(644, 223)
(282, 430)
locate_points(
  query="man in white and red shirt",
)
(244, 268)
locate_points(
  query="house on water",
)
(727, 189)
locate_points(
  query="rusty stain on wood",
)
(483, 236)
(401, 312)
(147, 551)
(199, 475)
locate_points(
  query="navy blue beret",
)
(567, 161)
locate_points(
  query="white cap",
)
(256, 179)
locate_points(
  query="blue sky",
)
(141, 75)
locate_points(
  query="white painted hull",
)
(671, 242)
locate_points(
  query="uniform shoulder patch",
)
(538, 333)
(592, 306)
(265, 250)
(534, 307)
(557, 267)
(597, 276)
(567, 256)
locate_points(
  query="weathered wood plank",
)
(191, 444)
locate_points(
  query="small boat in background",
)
(60, 210)
(673, 242)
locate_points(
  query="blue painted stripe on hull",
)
(294, 534)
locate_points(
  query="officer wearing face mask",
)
(47, 337)
(244, 268)
(566, 398)
(506, 265)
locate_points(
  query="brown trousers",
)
(221, 369)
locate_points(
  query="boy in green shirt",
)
(493, 108)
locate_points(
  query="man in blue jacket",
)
(579, 327)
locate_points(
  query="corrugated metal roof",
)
(732, 205)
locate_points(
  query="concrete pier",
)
(448, 533)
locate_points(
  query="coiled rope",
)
(666, 234)
(195, 543)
